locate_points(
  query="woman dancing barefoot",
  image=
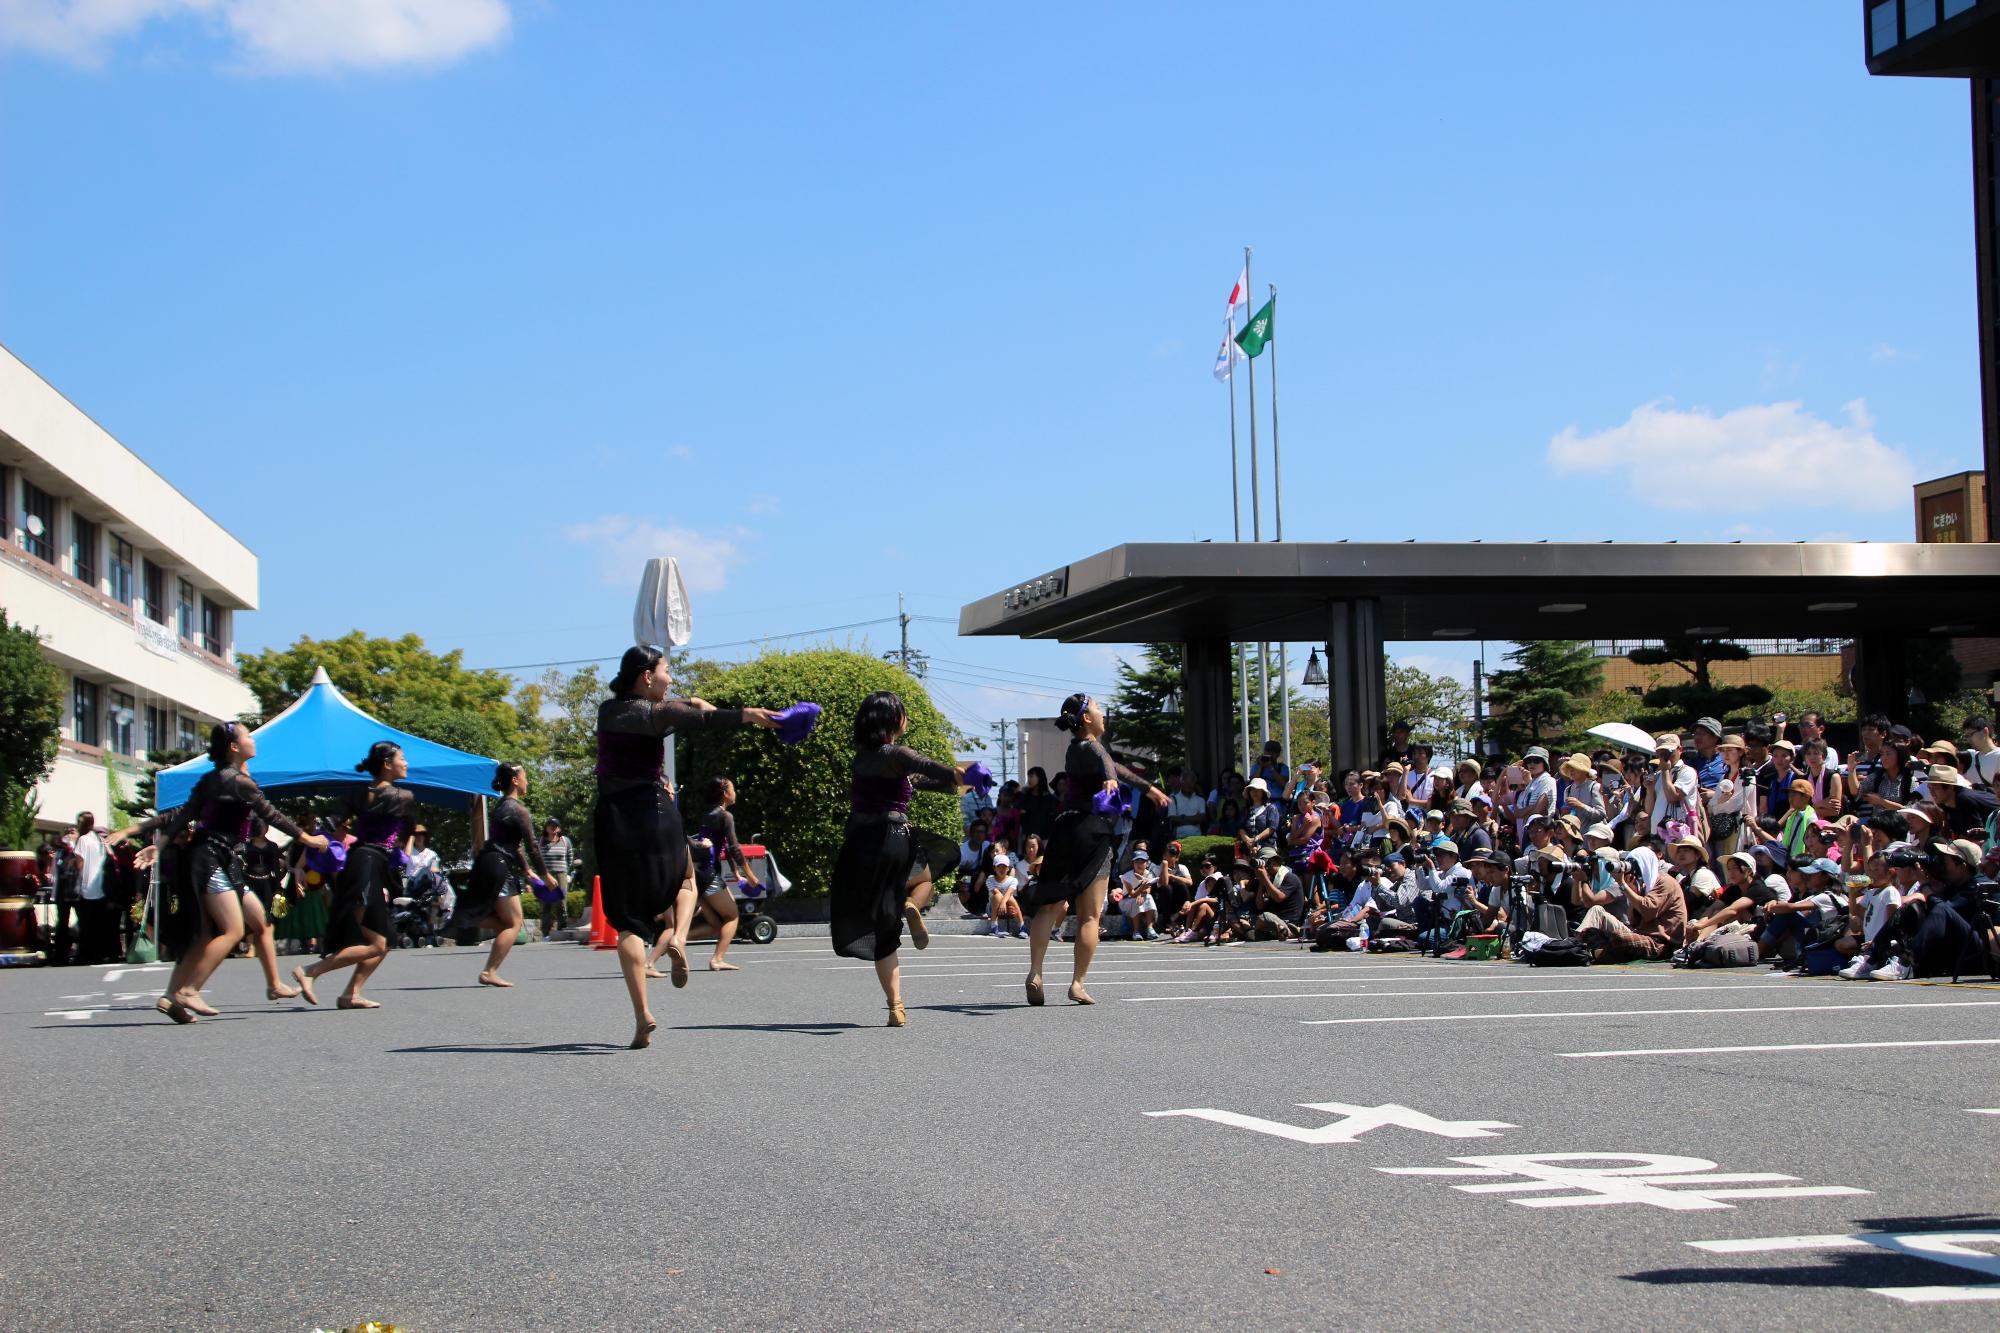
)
(642, 852)
(720, 863)
(883, 876)
(357, 931)
(222, 807)
(511, 855)
(1077, 866)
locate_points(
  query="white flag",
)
(1229, 353)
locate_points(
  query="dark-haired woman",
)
(357, 931)
(642, 854)
(883, 876)
(719, 863)
(492, 899)
(1077, 866)
(222, 808)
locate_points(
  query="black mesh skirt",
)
(879, 860)
(642, 857)
(493, 873)
(1078, 855)
(361, 896)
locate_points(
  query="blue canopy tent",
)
(311, 748)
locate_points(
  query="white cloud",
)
(316, 36)
(1767, 456)
(624, 545)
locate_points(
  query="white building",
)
(133, 589)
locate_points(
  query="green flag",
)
(1260, 330)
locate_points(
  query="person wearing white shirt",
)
(96, 927)
(1673, 784)
(1186, 810)
(1138, 905)
(1003, 901)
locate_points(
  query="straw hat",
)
(1579, 767)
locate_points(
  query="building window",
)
(188, 734)
(121, 570)
(83, 549)
(119, 720)
(184, 620)
(156, 729)
(1881, 27)
(1919, 16)
(85, 722)
(1953, 8)
(214, 627)
(153, 583)
(38, 522)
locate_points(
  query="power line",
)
(707, 647)
(1009, 671)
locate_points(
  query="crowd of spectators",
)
(1760, 842)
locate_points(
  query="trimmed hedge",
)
(794, 798)
(1193, 849)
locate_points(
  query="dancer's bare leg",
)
(632, 962)
(378, 949)
(915, 900)
(1089, 906)
(263, 940)
(1047, 918)
(723, 905)
(506, 921)
(889, 973)
(225, 918)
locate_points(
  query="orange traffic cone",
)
(602, 936)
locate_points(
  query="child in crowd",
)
(1003, 899)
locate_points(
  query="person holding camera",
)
(1656, 913)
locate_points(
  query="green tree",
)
(1136, 716)
(1680, 702)
(564, 777)
(404, 684)
(1532, 701)
(146, 790)
(30, 725)
(794, 797)
(1437, 708)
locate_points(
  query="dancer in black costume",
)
(357, 928)
(492, 900)
(719, 863)
(222, 807)
(642, 854)
(883, 876)
(1076, 867)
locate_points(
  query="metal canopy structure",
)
(1354, 596)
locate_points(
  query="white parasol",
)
(662, 616)
(1625, 734)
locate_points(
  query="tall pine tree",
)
(1680, 702)
(1549, 683)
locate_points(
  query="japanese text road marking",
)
(1676, 1184)
(1356, 1121)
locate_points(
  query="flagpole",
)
(1236, 530)
(1257, 528)
(1278, 509)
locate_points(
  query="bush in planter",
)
(1193, 849)
(793, 798)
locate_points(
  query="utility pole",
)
(1479, 704)
(903, 619)
(1000, 730)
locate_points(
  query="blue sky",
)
(454, 310)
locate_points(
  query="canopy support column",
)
(1207, 716)
(1355, 684)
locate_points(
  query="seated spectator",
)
(1197, 918)
(1175, 884)
(1138, 905)
(1690, 857)
(1872, 897)
(1656, 914)
(1003, 890)
(1742, 899)
(1465, 829)
(975, 856)
(1235, 914)
(1814, 916)
(1932, 932)
(1345, 925)
(1487, 909)
(1966, 808)
(1280, 896)
(1447, 888)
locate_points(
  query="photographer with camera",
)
(1656, 913)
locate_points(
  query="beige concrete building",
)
(133, 589)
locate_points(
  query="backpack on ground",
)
(1552, 921)
(1567, 951)
(1719, 950)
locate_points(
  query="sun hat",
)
(1445, 847)
(1461, 807)
(1731, 742)
(1802, 787)
(1535, 752)
(1666, 740)
(1747, 861)
(1579, 764)
(1822, 866)
(1944, 775)
(1709, 725)
(1690, 844)
(1786, 746)
(1002, 859)
(1600, 831)
(1961, 849)
(1258, 784)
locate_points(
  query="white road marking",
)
(75, 1015)
(1956, 1248)
(1653, 1179)
(1650, 1013)
(116, 972)
(1355, 1121)
(1399, 994)
(1985, 1111)
(1793, 1046)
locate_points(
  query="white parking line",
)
(1649, 1013)
(1400, 994)
(1780, 1244)
(1794, 1046)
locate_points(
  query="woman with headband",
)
(222, 806)
(503, 868)
(357, 931)
(882, 878)
(641, 844)
(1077, 865)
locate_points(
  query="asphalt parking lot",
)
(1247, 1137)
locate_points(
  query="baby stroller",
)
(416, 918)
(753, 896)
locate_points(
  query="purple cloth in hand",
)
(1110, 804)
(979, 776)
(797, 722)
(545, 891)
